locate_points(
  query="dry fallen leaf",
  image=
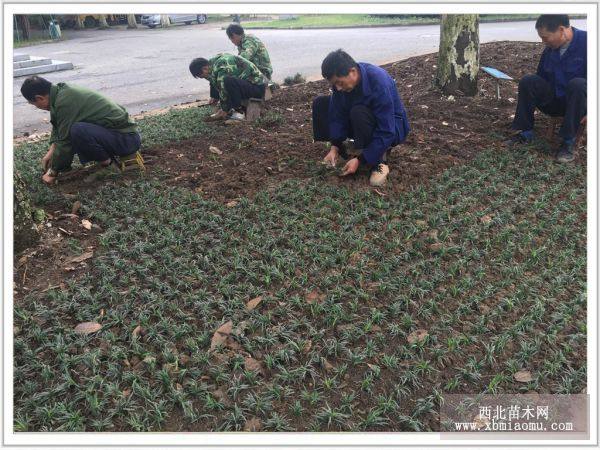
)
(435, 246)
(253, 424)
(307, 347)
(445, 124)
(215, 150)
(86, 224)
(253, 303)
(417, 336)
(221, 335)
(314, 296)
(486, 219)
(252, 364)
(231, 204)
(137, 331)
(81, 258)
(87, 327)
(523, 376)
(76, 207)
(421, 223)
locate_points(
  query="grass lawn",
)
(488, 260)
(347, 20)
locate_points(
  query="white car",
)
(153, 20)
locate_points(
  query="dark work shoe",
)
(519, 139)
(565, 153)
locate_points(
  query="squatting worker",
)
(251, 48)
(84, 122)
(232, 79)
(365, 105)
(559, 88)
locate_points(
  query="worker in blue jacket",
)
(365, 105)
(559, 88)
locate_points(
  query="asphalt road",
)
(145, 69)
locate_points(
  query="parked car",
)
(153, 20)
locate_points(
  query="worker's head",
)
(36, 91)
(235, 33)
(200, 68)
(554, 29)
(341, 70)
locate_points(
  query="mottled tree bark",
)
(131, 23)
(24, 26)
(24, 229)
(103, 23)
(458, 58)
(79, 23)
(164, 21)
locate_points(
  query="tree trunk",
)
(24, 229)
(23, 23)
(103, 24)
(458, 58)
(79, 23)
(131, 23)
(164, 21)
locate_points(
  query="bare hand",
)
(351, 167)
(47, 157)
(48, 179)
(213, 101)
(331, 157)
(46, 161)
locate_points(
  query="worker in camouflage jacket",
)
(232, 79)
(251, 48)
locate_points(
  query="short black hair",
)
(197, 65)
(35, 85)
(551, 22)
(234, 28)
(337, 63)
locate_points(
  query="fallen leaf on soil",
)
(215, 150)
(87, 327)
(486, 219)
(221, 335)
(435, 246)
(445, 124)
(86, 224)
(307, 347)
(252, 364)
(231, 204)
(76, 207)
(417, 336)
(253, 424)
(421, 223)
(137, 330)
(523, 376)
(327, 365)
(68, 233)
(314, 296)
(253, 303)
(81, 258)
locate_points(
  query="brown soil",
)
(444, 132)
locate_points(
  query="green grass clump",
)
(269, 119)
(346, 278)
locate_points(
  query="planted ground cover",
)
(305, 303)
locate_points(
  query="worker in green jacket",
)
(251, 48)
(232, 79)
(84, 122)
